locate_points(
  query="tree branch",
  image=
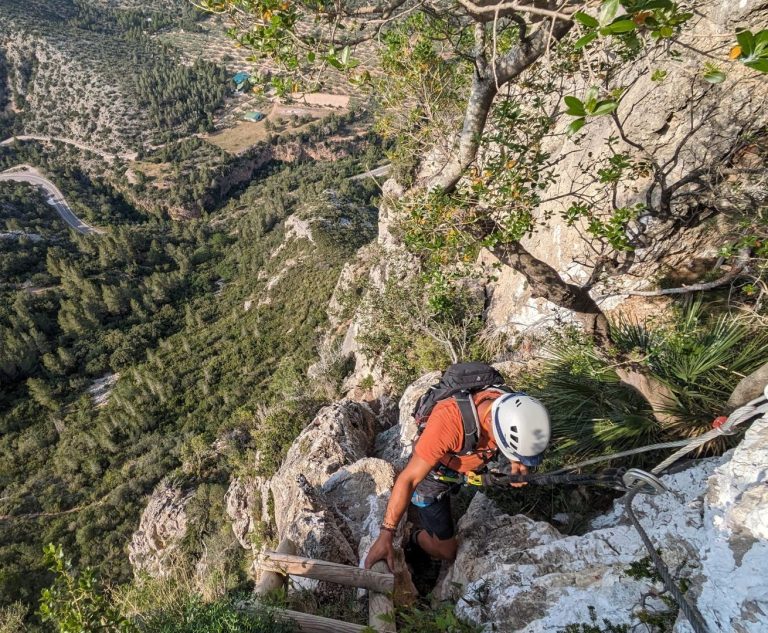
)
(485, 86)
(546, 283)
(738, 266)
(503, 9)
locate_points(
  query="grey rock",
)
(516, 575)
(162, 527)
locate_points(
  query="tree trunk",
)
(545, 282)
(479, 105)
(486, 82)
(748, 389)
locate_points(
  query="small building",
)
(253, 117)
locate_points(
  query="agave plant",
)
(701, 356)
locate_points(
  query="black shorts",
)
(432, 500)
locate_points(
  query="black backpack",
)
(459, 382)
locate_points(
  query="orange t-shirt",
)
(443, 434)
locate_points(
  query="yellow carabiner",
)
(473, 479)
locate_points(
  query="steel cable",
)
(690, 611)
(749, 412)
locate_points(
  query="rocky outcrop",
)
(688, 127)
(358, 495)
(516, 575)
(339, 436)
(395, 444)
(243, 503)
(328, 496)
(162, 527)
(318, 492)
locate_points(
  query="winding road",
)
(54, 197)
(28, 174)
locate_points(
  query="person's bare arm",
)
(383, 549)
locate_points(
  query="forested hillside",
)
(95, 74)
(148, 302)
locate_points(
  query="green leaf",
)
(761, 38)
(758, 64)
(604, 107)
(575, 126)
(586, 39)
(714, 75)
(655, 4)
(621, 26)
(666, 31)
(575, 106)
(747, 42)
(608, 12)
(585, 19)
(590, 100)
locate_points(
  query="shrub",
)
(425, 619)
(74, 603)
(12, 618)
(222, 616)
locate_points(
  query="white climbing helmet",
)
(520, 427)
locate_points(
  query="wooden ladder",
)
(278, 565)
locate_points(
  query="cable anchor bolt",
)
(645, 482)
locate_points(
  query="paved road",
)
(107, 156)
(54, 197)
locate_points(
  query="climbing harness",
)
(616, 478)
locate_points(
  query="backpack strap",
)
(469, 420)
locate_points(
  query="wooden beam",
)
(270, 580)
(380, 604)
(281, 563)
(308, 623)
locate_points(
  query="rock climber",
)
(515, 424)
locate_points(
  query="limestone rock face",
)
(244, 502)
(326, 494)
(162, 527)
(395, 445)
(359, 493)
(683, 124)
(658, 116)
(733, 587)
(516, 575)
(328, 497)
(340, 435)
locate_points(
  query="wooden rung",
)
(324, 570)
(308, 623)
(380, 604)
(271, 581)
